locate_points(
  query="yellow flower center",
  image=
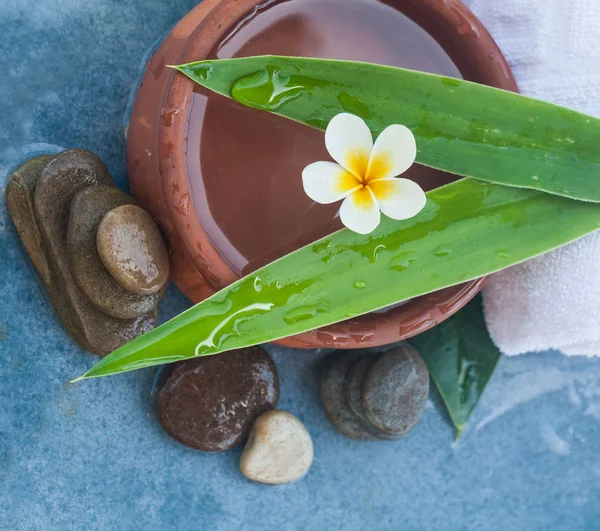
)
(367, 169)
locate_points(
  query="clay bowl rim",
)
(482, 61)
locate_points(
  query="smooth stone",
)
(333, 396)
(59, 181)
(279, 450)
(132, 248)
(87, 210)
(211, 402)
(395, 391)
(354, 394)
(354, 384)
(19, 199)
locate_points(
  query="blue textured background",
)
(91, 456)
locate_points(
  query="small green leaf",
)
(461, 127)
(461, 359)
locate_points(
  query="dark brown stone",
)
(395, 391)
(88, 208)
(59, 181)
(132, 248)
(210, 403)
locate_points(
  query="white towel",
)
(551, 302)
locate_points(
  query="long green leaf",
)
(461, 127)
(461, 358)
(467, 229)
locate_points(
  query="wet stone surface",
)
(132, 248)
(88, 208)
(39, 197)
(210, 403)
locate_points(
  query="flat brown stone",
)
(211, 402)
(59, 181)
(132, 249)
(19, 199)
(88, 208)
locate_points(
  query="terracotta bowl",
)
(158, 175)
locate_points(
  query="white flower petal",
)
(349, 142)
(359, 212)
(327, 182)
(399, 198)
(394, 152)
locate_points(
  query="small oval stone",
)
(395, 391)
(132, 248)
(210, 403)
(279, 450)
(88, 208)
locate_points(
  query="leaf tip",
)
(459, 431)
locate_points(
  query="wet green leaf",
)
(466, 230)
(461, 359)
(462, 127)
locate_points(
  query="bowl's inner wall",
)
(244, 166)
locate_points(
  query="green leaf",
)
(461, 127)
(461, 359)
(466, 230)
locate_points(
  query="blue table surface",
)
(92, 456)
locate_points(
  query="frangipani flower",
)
(364, 174)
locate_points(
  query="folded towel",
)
(551, 302)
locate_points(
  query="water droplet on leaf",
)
(402, 261)
(450, 81)
(442, 250)
(257, 284)
(267, 89)
(302, 313)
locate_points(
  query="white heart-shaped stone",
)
(279, 450)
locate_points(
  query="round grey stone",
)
(333, 396)
(354, 395)
(395, 391)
